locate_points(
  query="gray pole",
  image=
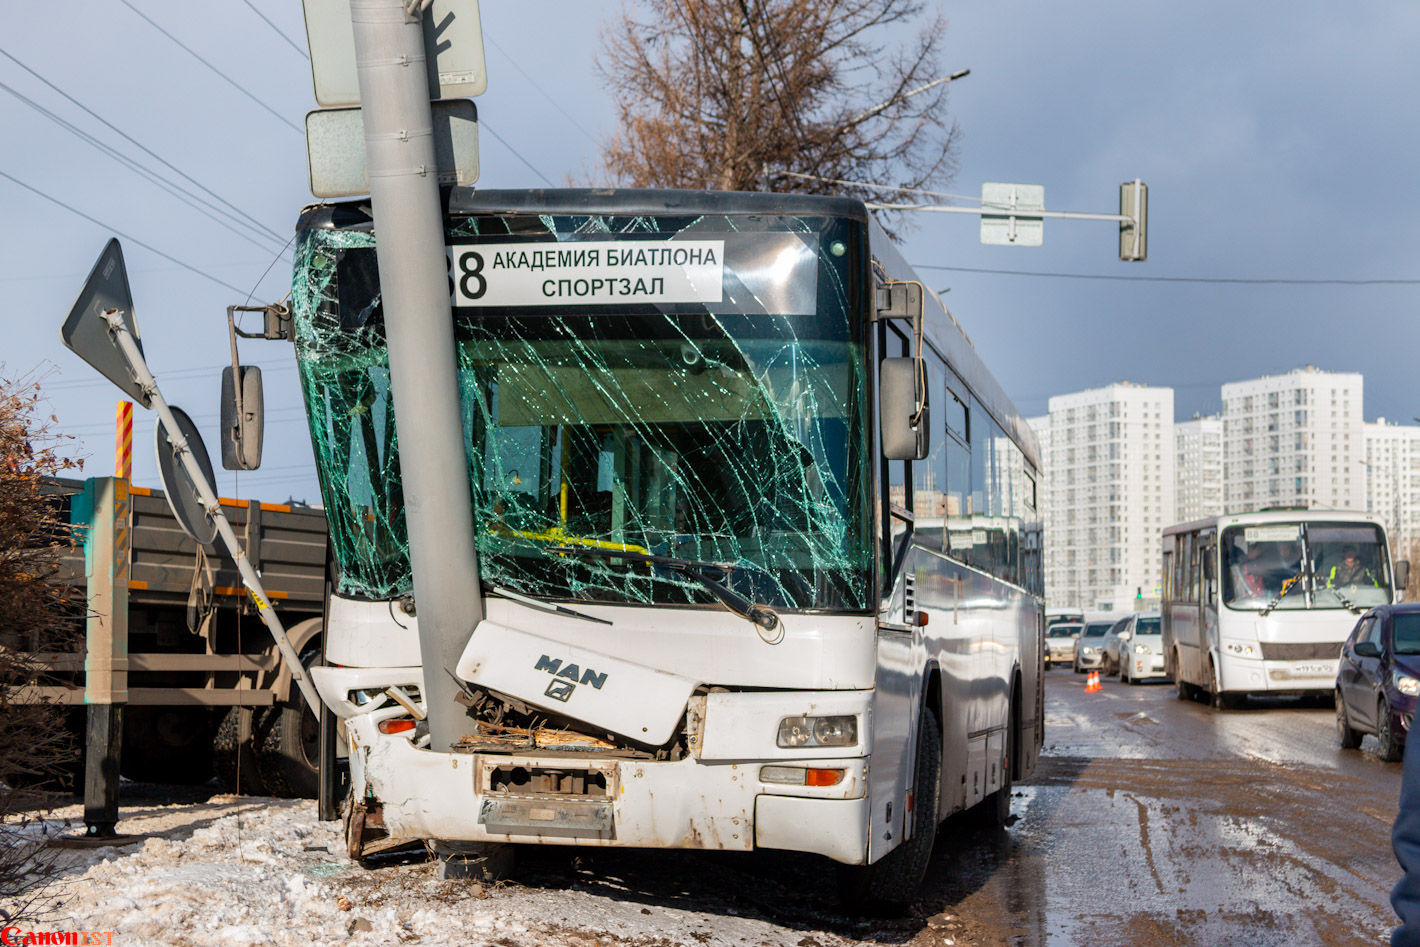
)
(409, 228)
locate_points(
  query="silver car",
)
(1089, 650)
(1142, 656)
(1060, 643)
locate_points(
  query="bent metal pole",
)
(207, 494)
(414, 287)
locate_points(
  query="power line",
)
(195, 55)
(877, 187)
(1178, 279)
(533, 83)
(149, 247)
(147, 174)
(486, 127)
(140, 146)
(279, 32)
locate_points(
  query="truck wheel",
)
(888, 885)
(225, 755)
(287, 741)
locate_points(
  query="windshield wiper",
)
(1287, 586)
(548, 606)
(762, 616)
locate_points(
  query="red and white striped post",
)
(123, 441)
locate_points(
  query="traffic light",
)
(1134, 202)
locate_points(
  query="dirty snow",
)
(243, 870)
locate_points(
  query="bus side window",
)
(1191, 544)
(930, 479)
(1168, 576)
(1179, 561)
(1208, 554)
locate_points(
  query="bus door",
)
(1208, 587)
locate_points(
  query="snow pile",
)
(264, 871)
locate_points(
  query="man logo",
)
(566, 678)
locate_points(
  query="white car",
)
(1142, 656)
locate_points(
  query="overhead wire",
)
(215, 214)
(1176, 279)
(139, 145)
(484, 126)
(533, 82)
(131, 239)
(279, 32)
(200, 58)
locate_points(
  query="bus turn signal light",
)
(823, 777)
(397, 725)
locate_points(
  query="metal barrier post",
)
(106, 556)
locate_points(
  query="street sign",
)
(453, 50)
(86, 333)
(183, 497)
(335, 147)
(1002, 227)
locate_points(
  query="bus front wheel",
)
(889, 885)
(1219, 698)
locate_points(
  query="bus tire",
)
(287, 742)
(889, 885)
(994, 812)
(1348, 738)
(1218, 697)
(1181, 688)
(1391, 749)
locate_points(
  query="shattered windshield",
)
(687, 387)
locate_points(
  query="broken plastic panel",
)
(722, 421)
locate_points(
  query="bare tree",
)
(38, 614)
(732, 94)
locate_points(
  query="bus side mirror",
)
(1402, 574)
(902, 408)
(242, 417)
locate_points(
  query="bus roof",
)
(1275, 516)
(461, 201)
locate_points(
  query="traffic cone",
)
(1092, 683)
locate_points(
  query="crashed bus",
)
(757, 535)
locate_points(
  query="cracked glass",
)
(689, 387)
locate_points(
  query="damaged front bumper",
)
(596, 799)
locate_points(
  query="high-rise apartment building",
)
(1110, 491)
(1198, 468)
(1294, 440)
(1392, 462)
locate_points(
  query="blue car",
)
(1378, 679)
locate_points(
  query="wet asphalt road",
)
(1149, 821)
(1152, 820)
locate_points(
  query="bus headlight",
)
(1408, 686)
(838, 730)
(1236, 648)
(1142, 649)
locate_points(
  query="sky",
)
(1276, 147)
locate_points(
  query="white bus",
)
(719, 614)
(1260, 603)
